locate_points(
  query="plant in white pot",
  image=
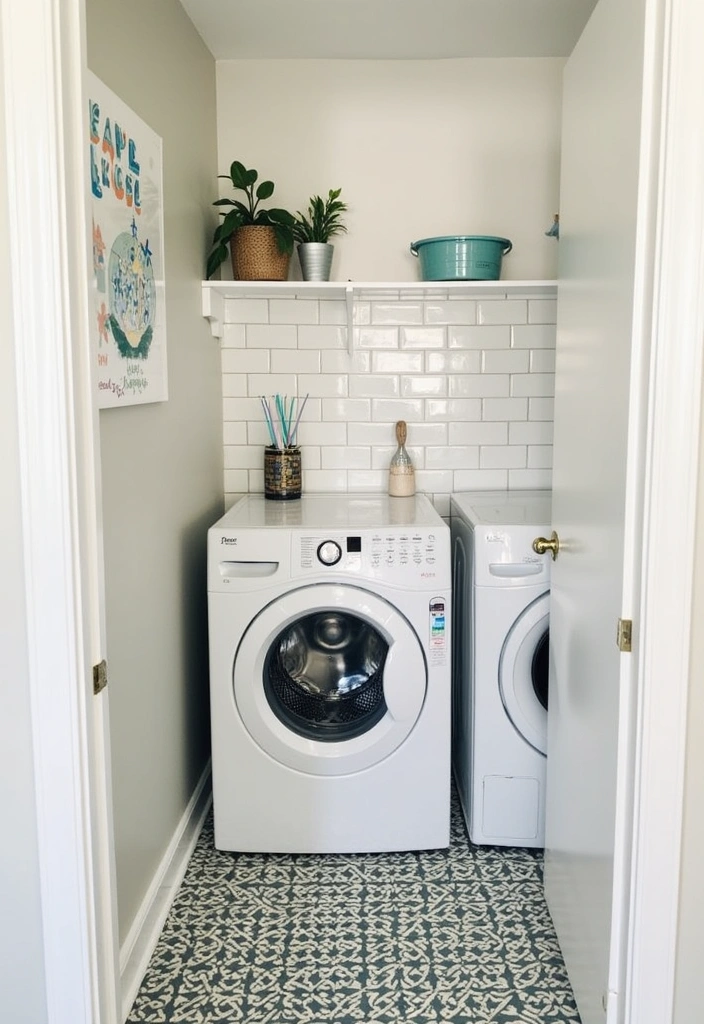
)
(313, 232)
(260, 240)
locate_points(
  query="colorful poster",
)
(129, 313)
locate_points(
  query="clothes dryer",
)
(500, 670)
(330, 674)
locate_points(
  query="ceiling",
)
(388, 29)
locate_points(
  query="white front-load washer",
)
(330, 674)
(500, 673)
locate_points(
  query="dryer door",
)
(329, 679)
(523, 673)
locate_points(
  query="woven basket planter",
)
(256, 256)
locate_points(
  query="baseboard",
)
(141, 940)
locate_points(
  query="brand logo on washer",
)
(228, 540)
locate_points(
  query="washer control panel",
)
(384, 554)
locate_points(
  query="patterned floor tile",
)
(458, 936)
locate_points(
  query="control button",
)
(329, 552)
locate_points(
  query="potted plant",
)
(314, 231)
(260, 240)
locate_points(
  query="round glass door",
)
(329, 679)
(524, 670)
(324, 675)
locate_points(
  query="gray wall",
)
(161, 463)
(21, 955)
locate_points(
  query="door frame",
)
(43, 61)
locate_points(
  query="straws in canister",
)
(282, 416)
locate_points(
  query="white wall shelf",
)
(216, 292)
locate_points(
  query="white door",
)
(605, 218)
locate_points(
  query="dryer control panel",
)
(401, 556)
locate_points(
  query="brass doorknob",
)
(542, 544)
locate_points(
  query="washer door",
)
(329, 679)
(523, 673)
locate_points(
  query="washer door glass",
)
(523, 673)
(324, 675)
(329, 679)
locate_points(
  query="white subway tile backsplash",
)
(541, 408)
(376, 337)
(234, 385)
(541, 385)
(343, 362)
(236, 480)
(345, 458)
(323, 385)
(505, 409)
(397, 313)
(476, 385)
(322, 433)
(346, 409)
(505, 361)
(454, 409)
(503, 457)
(424, 386)
(271, 336)
(295, 360)
(542, 360)
(478, 433)
(530, 479)
(533, 336)
(233, 336)
(540, 456)
(374, 480)
(453, 311)
(242, 456)
(423, 337)
(374, 385)
(317, 480)
(234, 433)
(246, 311)
(237, 360)
(531, 432)
(322, 336)
(397, 409)
(480, 480)
(332, 311)
(453, 362)
(430, 481)
(542, 311)
(502, 311)
(293, 311)
(479, 337)
(397, 362)
(454, 457)
(272, 384)
(473, 378)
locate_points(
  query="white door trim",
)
(43, 57)
(671, 470)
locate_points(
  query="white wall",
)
(161, 463)
(21, 945)
(420, 148)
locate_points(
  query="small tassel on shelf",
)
(554, 231)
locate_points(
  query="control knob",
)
(329, 552)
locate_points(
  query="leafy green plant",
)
(249, 212)
(323, 220)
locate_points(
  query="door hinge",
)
(100, 676)
(624, 633)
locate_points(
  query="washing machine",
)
(330, 674)
(500, 663)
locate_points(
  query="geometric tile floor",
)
(458, 936)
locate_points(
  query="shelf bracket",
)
(349, 299)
